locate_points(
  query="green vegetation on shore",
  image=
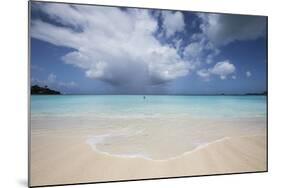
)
(37, 90)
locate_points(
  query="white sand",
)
(64, 157)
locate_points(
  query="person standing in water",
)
(144, 97)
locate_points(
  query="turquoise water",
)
(152, 106)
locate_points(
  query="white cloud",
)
(248, 74)
(113, 45)
(200, 51)
(120, 47)
(172, 22)
(193, 49)
(221, 69)
(222, 29)
(218, 30)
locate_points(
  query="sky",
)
(85, 49)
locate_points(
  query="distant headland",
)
(37, 90)
(263, 93)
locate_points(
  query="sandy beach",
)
(64, 156)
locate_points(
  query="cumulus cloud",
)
(223, 29)
(218, 30)
(172, 22)
(221, 69)
(193, 49)
(123, 47)
(200, 52)
(116, 46)
(248, 74)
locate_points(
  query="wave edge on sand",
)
(99, 139)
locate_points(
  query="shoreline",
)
(142, 148)
(202, 146)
